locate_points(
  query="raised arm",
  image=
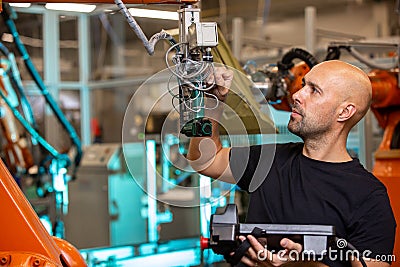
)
(206, 154)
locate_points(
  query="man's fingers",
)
(228, 78)
(247, 261)
(221, 77)
(251, 254)
(257, 251)
(223, 90)
(290, 245)
(254, 243)
(256, 254)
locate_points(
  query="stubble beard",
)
(296, 127)
(308, 129)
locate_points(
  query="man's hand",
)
(206, 154)
(258, 255)
(222, 78)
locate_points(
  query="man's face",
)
(314, 106)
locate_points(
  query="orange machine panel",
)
(20, 228)
(385, 106)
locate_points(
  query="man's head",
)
(334, 97)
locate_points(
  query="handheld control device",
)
(225, 230)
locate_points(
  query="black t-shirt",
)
(294, 189)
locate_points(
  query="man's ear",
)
(347, 112)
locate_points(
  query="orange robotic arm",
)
(293, 85)
(17, 155)
(25, 241)
(386, 108)
(286, 79)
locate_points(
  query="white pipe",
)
(237, 36)
(310, 29)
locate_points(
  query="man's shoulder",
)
(358, 183)
(363, 176)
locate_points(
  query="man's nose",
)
(297, 97)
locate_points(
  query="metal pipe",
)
(310, 29)
(237, 36)
(368, 62)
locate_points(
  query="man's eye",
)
(314, 90)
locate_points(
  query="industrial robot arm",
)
(17, 154)
(278, 83)
(25, 241)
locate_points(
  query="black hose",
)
(287, 60)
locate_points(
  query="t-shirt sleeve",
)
(373, 227)
(250, 165)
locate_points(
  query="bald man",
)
(314, 182)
